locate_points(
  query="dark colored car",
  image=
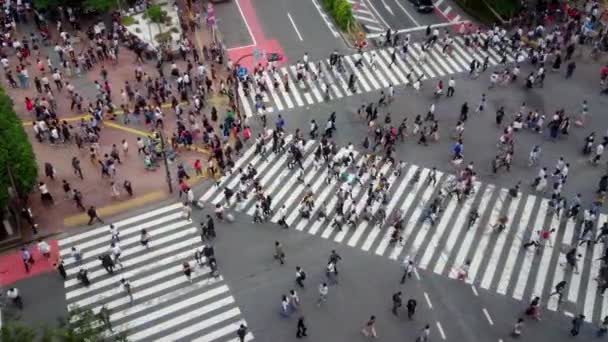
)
(423, 6)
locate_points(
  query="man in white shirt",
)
(44, 248)
(13, 294)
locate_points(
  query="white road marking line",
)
(244, 102)
(332, 204)
(297, 84)
(591, 293)
(524, 270)
(559, 274)
(441, 332)
(455, 230)
(386, 69)
(330, 26)
(200, 325)
(487, 314)
(277, 198)
(246, 24)
(360, 78)
(118, 224)
(135, 248)
(466, 245)
(416, 50)
(487, 232)
(407, 13)
(447, 10)
(419, 208)
(293, 87)
(285, 94)
(294, 26)
(393, 68)
(474, 289)
(516, 245)
(104, 241)
(275, 97)
(575, 282)
(368, 74)
(326, 77)
(433, 245)
(499, 245)
(244, 158)
(352, 242)
(371, 5)
(151, 255)
(390, 10)
(428, 300)
(419, 28)
(456, 18)
(391, 205)
(320, 199)
(229, 329)
(338, 77)
(438, 2)
(235, 180)
(365, 18)
(543, 267)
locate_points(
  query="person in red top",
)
(183, 188)
(29, 105)
(246, 133)
(198, 168)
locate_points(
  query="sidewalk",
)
(148, 186)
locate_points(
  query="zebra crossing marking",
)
(161, 292)
(446, 245)
(516, 245)
(442, 260)
(437, 64)
(526, 265)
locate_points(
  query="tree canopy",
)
(79, 325)
(16, 153)
(156, 14)
(91, 5)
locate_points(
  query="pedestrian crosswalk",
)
(165, 306)
(495, 261)
(365, 17)
(377, 71)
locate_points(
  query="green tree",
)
(16, 153)
(80, 325)
(157, 15)
(100, 5)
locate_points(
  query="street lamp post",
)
(168, 173)
(272, 57)
(236, 86)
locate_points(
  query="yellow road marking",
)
(113, 209)
(146, 134)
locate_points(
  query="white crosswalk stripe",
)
(498, 261)
(364, 16)
(166, 306)
(369, 78)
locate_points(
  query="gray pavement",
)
(308, 24)
(43, 301)
(232, 26)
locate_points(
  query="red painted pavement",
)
(449, 17)
(262, 42)
(12, 269)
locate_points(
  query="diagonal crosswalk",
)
(497, 261)
(375, 72)
(166, 306)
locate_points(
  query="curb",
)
(113, 209)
